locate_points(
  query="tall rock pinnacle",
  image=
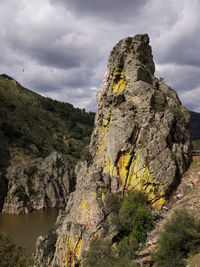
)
(140, 141)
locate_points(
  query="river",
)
(25, 228)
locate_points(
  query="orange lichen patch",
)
(72, 253)
(123, 165)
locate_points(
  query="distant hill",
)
(195, 125)
(195, 129)
(35, 125)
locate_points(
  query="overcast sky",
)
(60, 48)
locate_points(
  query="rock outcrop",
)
(3, 190)
(140, 141)
(37, 183)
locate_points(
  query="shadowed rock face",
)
(140, 141)
(37, 184)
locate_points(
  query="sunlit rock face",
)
(140, 141)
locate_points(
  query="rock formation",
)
(37, 184)
(3, 190)
(140, 141)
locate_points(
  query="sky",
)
(60, 48)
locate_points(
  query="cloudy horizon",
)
(60, 48)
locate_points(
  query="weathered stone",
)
(37, 184)
(140, 141)
(3, 190)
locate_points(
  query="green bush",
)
(12, 256)
(181, 235)
(101, 253)
(133, 219)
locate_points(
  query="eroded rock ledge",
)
(140, 141)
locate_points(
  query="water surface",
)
(25, 228)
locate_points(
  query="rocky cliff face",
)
(3, 190)
(140, 141)
(37, 183)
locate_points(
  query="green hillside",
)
(35, 125)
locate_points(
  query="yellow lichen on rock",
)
(72, 253)
(134, 175)
(110, 168)
(158, 204)
(101, 193)
(49, 170)
(84, 205)
(120, 86)
(119, 82)
(106, 122)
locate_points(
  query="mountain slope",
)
(36, 125)
(40, 142)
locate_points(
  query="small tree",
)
(12, 256)
(181, 235)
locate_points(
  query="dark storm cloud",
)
(56, 51)
(110, 10)
(63, 46)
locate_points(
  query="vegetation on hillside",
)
(11, 255)
(32, 124)
(179, 238)
(133, 219)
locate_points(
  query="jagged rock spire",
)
(140, 141)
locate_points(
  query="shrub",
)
(181, 235)
(11, 255)
(113, 203)
(101, 253)
(133, 219)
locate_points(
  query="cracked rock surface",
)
(140, 141)
(37, 184)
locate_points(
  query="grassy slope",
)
(28, 118)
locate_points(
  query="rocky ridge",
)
(37, 183)
(140, 141)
